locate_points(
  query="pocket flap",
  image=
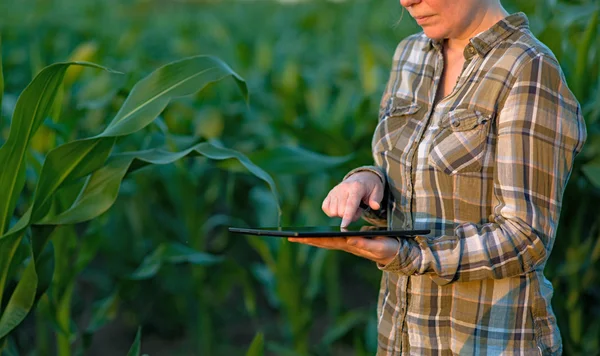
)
(401, 106)
(464, 120)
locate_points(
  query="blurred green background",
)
(315, 71)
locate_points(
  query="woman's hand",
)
(379, 249)
(344, 199)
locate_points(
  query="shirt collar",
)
(482, 43)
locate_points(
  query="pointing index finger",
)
(352, 204)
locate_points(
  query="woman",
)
(476, 139)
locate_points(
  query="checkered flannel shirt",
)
(485, 171)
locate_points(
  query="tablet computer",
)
(327, 231)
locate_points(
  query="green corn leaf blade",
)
(172, 253)
(150, 265)
(257, 347)
(46, 308)
(178, 253)
(343, 325)
(44, 266)
(66, 163)
(97, 196)
(8, 248)
(296, 160)
(20, 302)
(103, 312)
(58, 104)
(137, 344)
(102, 188)
(262, 248)
(32, 107)
(44, 256)
(149, 97)
(219, 153)
(575, 323)
(63, 316)
(65, 243)
(266, 212)
(283, 350)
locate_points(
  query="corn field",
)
(133, 133)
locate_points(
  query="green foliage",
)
(137, 343)
(82, 158)
(117, 204)
(257, 347)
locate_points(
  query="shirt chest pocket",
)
(462, 142)
(397, 122)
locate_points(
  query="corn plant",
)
(88, 160)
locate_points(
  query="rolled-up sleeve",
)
(540, 130)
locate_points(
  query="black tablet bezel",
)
(321, 231)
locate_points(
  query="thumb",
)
(376, 196)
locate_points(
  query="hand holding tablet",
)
(377, 244)
(348, 200)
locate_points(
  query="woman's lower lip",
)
(422, 20)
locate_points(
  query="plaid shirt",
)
(485, 170)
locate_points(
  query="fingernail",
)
(352, 242)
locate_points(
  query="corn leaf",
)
(102, 188)
(137, 344)
(103, 312)
(77, 159)
(150, 96)
(343, 325)
(172, 253)
(296, 160)
(257, 347)
(32, 107)
(20, 302)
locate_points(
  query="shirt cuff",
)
(407, 259)
(373, 169)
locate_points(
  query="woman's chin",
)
(434, 33)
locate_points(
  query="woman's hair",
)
(397, 23)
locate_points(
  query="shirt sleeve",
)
(540, 131)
